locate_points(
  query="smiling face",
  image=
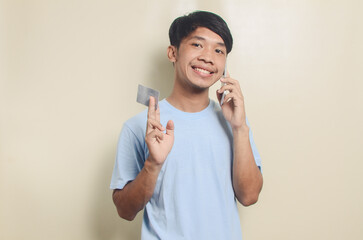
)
(200, 59)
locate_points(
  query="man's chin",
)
(200, 88)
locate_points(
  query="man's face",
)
(200, 59)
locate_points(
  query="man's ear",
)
(171, 52)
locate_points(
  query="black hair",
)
(185, 25)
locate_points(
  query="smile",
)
(201, 70)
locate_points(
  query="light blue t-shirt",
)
(193, 197)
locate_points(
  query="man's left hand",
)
(233, 107)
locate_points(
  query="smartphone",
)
(224, 75)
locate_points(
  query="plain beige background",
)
(69, 72)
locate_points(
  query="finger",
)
(225, 88)
(228, 80)
(235, 98)
(153, 124)
(156, 134)
(225, 99)
(170, 128)
(151, 110)
(230, 88)
(157, 114)
(228, 97)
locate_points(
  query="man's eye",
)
(219, 51)
(196, 45)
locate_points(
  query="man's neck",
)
(188, 101)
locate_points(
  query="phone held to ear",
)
(225, 92)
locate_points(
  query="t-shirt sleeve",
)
(256, 155)
(129, 158)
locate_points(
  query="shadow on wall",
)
(162, 74)
(106, 224)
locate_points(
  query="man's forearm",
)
(247, 178)
(136, 194)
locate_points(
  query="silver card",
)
(144, 93)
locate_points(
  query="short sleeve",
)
(256, 155)
(129, 158)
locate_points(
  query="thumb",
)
(170, 128)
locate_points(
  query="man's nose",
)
(206, 56)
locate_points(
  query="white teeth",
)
(202, 70)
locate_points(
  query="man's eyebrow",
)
(199, 38)
(203, 39)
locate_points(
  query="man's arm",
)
(135, 195)
(247, 178)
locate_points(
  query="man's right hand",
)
(158, 142)
(136, 194)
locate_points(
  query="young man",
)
(189, 160)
